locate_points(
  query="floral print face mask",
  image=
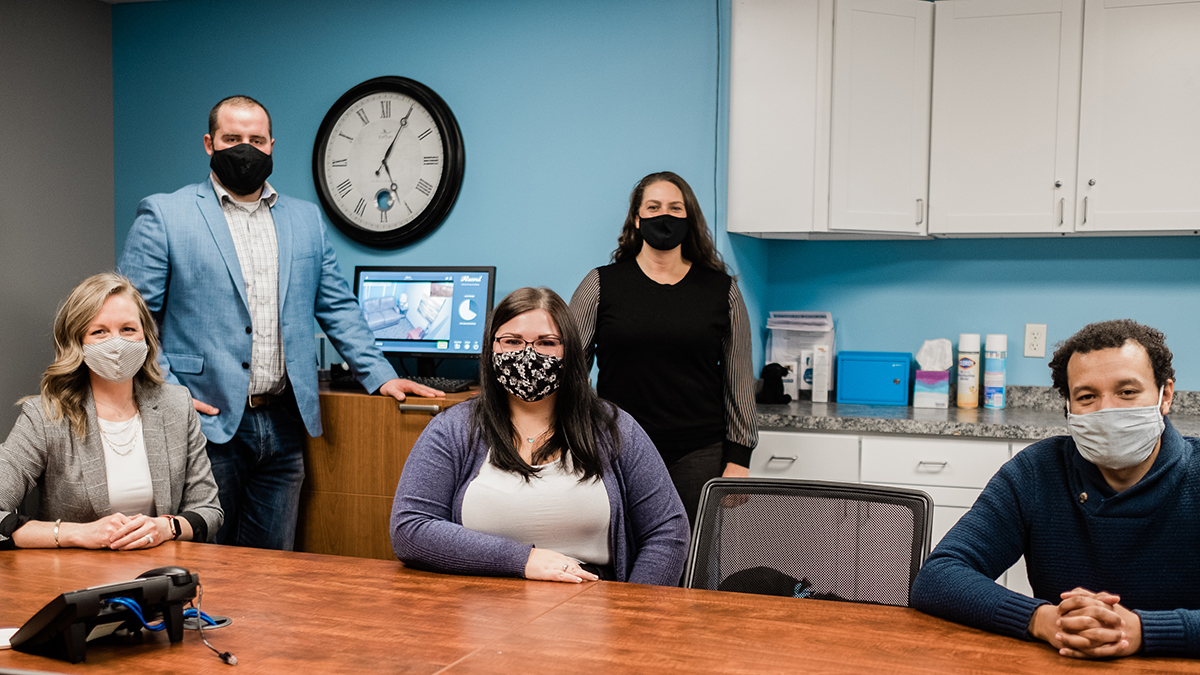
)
(526, 374)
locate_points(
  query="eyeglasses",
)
(544, 345)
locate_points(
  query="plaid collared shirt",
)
(253, 231)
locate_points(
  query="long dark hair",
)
(585, 426)
(698, 246)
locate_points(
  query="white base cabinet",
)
(953, 471)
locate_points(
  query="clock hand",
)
(403, 123)
(389, 175)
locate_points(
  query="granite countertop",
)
(1032, 413)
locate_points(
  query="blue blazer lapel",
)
(282, 217)
(210, 209)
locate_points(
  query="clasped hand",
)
(1089, 625)
(123, 533)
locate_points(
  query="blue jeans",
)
(259, 473)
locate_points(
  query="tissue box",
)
(931, 389)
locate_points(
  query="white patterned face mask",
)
(526, 374)
(115, 359)
(1118, 438)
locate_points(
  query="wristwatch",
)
(176, 526)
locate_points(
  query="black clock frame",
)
(452, 171)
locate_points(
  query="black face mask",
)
(663, 232)
(242, 169)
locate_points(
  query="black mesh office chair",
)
(833, 541)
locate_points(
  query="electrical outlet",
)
(1035, 340)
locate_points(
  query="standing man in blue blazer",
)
(235, 273)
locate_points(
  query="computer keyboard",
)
(447, 384)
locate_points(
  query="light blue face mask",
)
(1118, 438)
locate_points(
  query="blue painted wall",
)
(893, 295)
(563, 107)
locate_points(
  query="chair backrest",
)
(836, 541)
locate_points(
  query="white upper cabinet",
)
(1139, 131)
(1041, 117)
(778, 115)
(879, 153)
(1005, 113)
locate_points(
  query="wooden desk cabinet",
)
(351, 471)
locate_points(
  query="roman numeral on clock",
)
(344, 188)
(349, 138)
(361, 207)
(424, 134)
(424, 188)
(385, 109)
(383, 216)
(339, 163)
(431, 161)
(362, 115)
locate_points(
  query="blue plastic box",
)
(874, 378)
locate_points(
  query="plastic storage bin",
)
(874, 378)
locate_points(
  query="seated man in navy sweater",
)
(1108, 518)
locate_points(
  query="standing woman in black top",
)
(672, 339)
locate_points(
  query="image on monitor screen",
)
(426, 311)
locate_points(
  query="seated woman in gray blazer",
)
(117, 454)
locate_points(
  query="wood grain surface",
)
(294, 613)
(308, 614)
(351, 471)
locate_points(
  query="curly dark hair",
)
(1112, 335)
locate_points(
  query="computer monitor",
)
(426, 312)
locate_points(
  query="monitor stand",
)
(426, 366)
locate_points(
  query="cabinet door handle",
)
(780, 458)
(920, 211)
(1062, 210)
(413, 407)
(1085, 205)
(932, 467)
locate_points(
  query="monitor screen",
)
(426, 311)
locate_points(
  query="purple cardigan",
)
(648, 531)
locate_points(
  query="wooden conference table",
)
(310, 614)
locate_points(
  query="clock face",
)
(388, 161)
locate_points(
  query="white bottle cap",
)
(968, 342)
(997, 342)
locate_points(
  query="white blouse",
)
(552, 510)
(130, 489)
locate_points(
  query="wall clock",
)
(388, 162)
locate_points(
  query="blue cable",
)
(131, 605)
(191, 614)
(134, 607)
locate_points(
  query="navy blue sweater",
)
(1142, 544)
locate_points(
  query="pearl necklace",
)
(114, 442)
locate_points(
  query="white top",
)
(130, 489)
(552, 510)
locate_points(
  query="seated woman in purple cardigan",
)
(538, 477)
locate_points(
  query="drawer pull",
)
(931, 467)
(779, 458)
(413, 407)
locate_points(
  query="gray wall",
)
(56, 174)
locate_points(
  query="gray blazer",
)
(71, 474)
